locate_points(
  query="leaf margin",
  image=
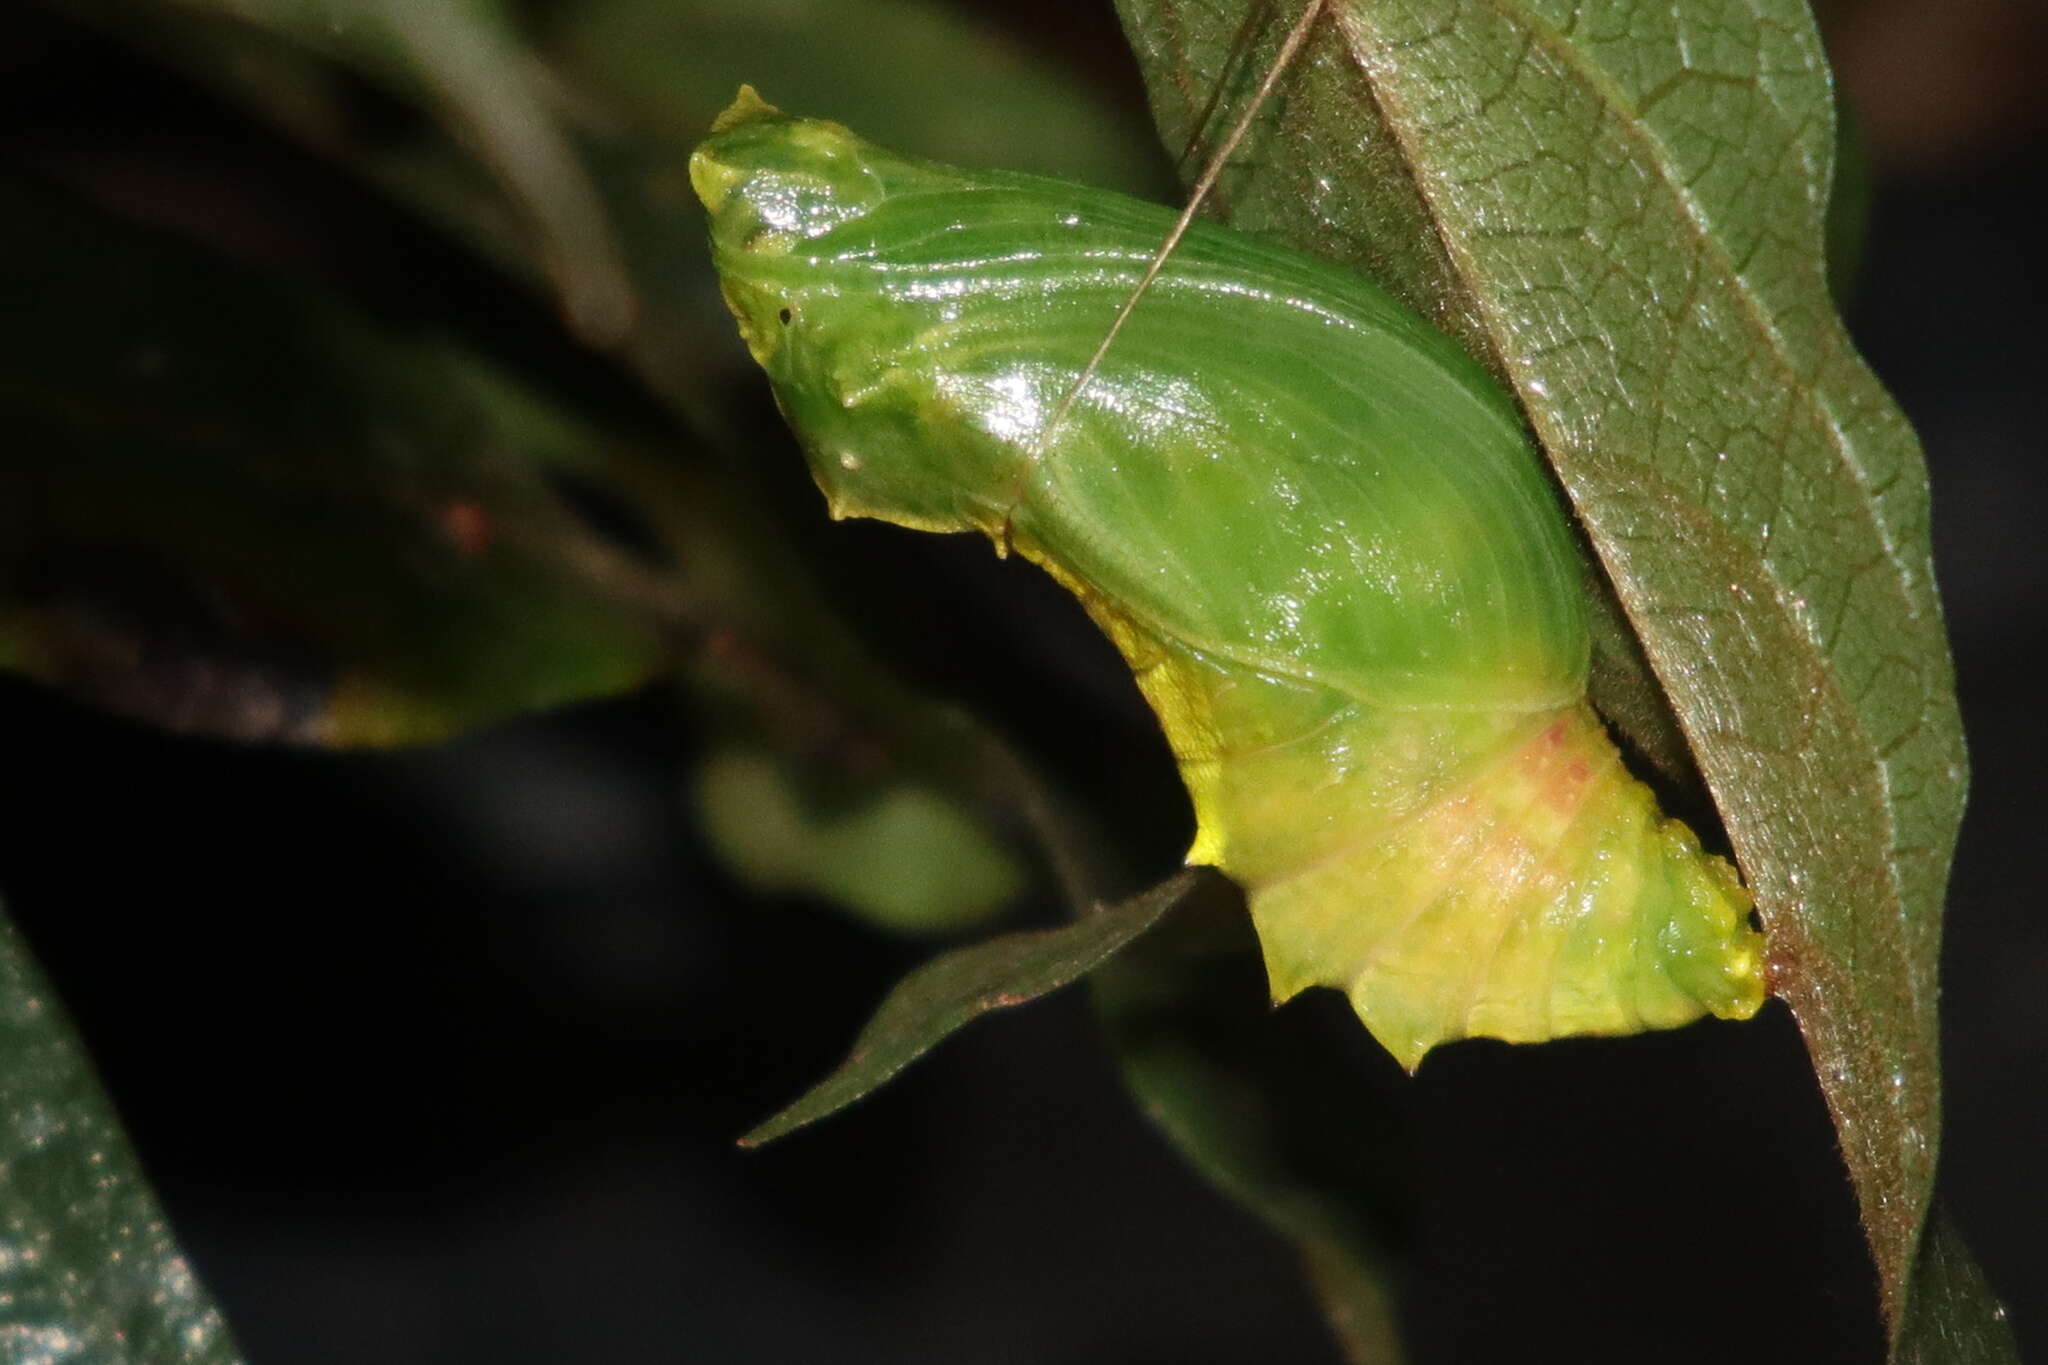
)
(955, 988)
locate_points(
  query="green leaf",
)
(957, 987)
(899, 855)
(241, 507)
(463, 61)
(88, 1269)
(1281, 1128)
(1952, 1317)
(1622, 211)
(494, 156)
(669, 68)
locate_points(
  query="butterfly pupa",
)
(1314, 527)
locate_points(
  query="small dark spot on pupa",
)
(785, 315)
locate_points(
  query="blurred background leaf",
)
(236, 506)
(670, 68)
(909, 859)
(563, 158)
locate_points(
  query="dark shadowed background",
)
(438, 1055)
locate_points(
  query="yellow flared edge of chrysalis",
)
(1437, 924)
(1487, 914)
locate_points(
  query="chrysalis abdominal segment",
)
(1314, 528)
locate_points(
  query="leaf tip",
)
(781, 1125)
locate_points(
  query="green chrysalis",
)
(1314, 527)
